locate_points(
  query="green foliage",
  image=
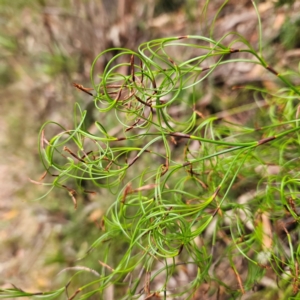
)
(180, 178)
(289, 33)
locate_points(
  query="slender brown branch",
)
(238, 277)
(266, 140)
(272, 70)
(73, 154)
(82, 88)
(140, 100)
(75, 294)
(106, 265)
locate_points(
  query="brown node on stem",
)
(187, 163)
(180, 135)
(82, 88)
(266, 140)
(182, 37)
(176, 137)
(269, 68)
(232, 50)
(171, 61)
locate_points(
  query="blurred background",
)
(46, 46)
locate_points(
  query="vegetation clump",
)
(194, 193)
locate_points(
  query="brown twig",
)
(106, 265)
(82, 88)
(73, 154)
(239, 280)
